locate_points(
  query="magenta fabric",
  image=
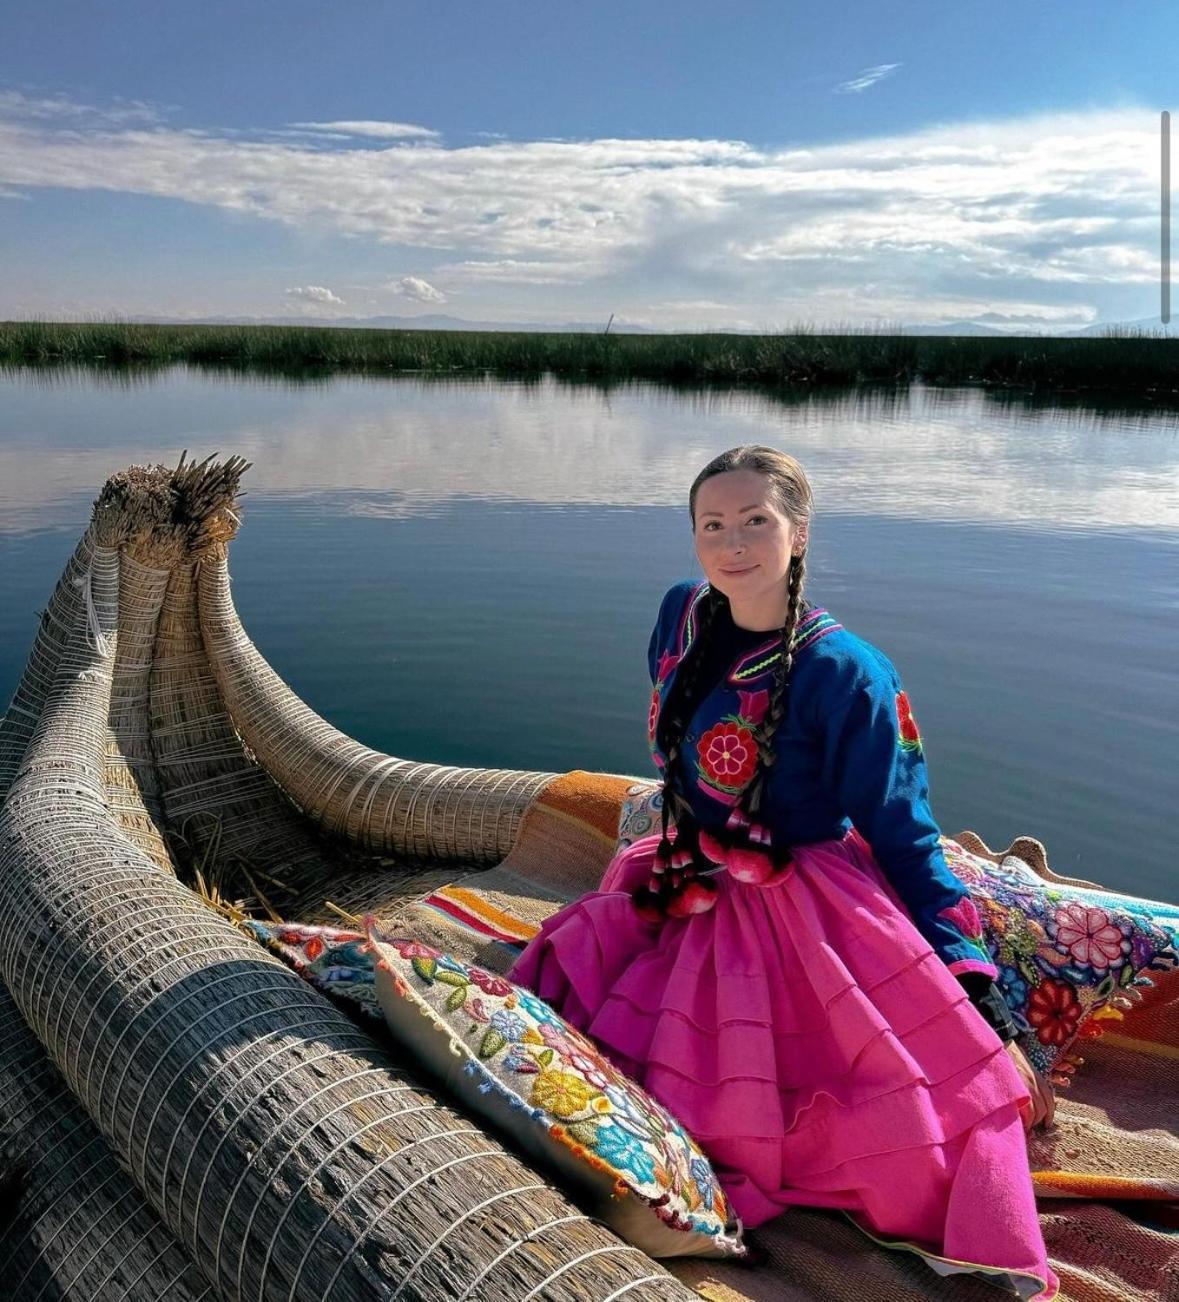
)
(814, 1045)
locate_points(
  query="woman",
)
(790, 967)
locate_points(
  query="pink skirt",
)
(817, 1049)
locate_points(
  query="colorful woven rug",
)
(1107, 1178)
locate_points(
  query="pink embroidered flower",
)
(653, 715)
(489, 984)
(728, 754)
(965, 917)
(753, 706)
(415, 949)
(667, 662)
(1088, 935)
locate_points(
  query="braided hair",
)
(682, 881)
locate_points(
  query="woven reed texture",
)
(278, 1142)
(72, 1223)
(60, 616)
(376, 801)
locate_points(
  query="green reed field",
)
(1135, 362)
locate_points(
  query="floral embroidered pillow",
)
(1067, 957)
(508, 1055)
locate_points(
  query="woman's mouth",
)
(743, 570)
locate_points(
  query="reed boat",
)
(184, 1117)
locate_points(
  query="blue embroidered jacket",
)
(847, 753)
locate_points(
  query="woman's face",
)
(744, 542)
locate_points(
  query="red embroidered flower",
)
(728, 755)
(1054, 1011)
(910, 737)
(653, 715)
(313, 948)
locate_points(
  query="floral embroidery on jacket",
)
(727, 755)
(910, 737)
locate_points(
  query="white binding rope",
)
(94, 634)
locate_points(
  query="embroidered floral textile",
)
(561, 1087)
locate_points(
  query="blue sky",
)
(680, 165)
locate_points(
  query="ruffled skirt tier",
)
(817, 1049)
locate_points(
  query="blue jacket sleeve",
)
(873, 762)
(667, 622)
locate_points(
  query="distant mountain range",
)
(440, 321)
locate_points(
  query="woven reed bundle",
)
(376, 801)
(16, 727)
(71, 1221)
(275, 1139)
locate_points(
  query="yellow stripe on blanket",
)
(1078, 1184)
(472, 902)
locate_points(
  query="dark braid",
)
(676, 885)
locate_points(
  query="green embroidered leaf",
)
(1106, 988)
(493, 1041)
(585, 1132)
(447, 977)
(545, 1057)
(1028, 972)
(425, 968)
(456, 998)
(1127, 975)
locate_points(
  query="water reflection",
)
(399, 446)
(1016, 559)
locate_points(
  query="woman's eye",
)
(752, 520)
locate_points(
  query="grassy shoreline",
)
(1137, 363)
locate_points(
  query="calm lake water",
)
(467, 571)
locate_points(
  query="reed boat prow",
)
(273, 1146)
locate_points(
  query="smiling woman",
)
(783, 965)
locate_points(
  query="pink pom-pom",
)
(697, 896)
(753, 867)
(712, 848)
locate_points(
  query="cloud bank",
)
(1031, 219)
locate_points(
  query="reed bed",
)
(1130, 361)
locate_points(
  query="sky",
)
(682, 166)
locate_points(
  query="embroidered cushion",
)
(641, 811)
(508, 1055)
(1068, 957)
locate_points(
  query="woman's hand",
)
(1043, 1102)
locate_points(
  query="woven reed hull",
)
(279, 1150)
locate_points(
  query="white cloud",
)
(314, 294)
(517, 271)
(869, 77)
(416, 288)
(1013, 215)
(378, 130)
